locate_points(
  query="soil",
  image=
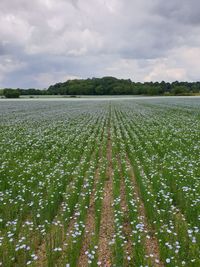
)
(151, 243)
(107, 217)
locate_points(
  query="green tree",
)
(1, 92)
(11, 93)
(180, 90)
(99, 90)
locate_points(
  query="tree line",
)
(113, 86)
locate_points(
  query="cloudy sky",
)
(48, 41)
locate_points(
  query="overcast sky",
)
(48, 41)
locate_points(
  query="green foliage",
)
(179, 90)
(11, 93)
(114, 86)
(32, 91)
(1, 92)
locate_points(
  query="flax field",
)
(105, 182)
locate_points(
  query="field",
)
(100, 182)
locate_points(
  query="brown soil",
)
(126, 225)
(107, 216)
(124, 207)
(151, 243)
(89, 226)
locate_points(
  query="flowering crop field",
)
(100, 182)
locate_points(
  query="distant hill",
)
(114, 86)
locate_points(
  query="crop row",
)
(100, 183)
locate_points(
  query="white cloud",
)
(162, 72)
(9, 65)
(45, 79)
(133, 38)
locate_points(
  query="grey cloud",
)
(181, 11)
(56, 39)
(2, 49)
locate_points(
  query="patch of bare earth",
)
(151, 242)
(90, 220)
(89, 225)
(107, 216)
(41, 254)
(127, 231)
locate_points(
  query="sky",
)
(47, 41)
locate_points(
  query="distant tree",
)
(11, 93)
(1, 92)
(99, 90)
(195, 88)
(153, 90)
(180, 90)
(113, 86)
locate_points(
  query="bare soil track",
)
(126, 224)
(151, 243)
(89, 226)
(107, 217)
